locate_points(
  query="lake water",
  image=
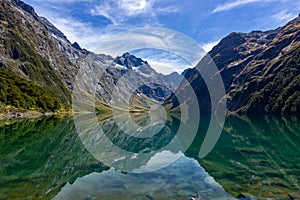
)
(49, 158)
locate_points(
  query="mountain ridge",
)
(251, 65)
(40, 54)
(30, 52)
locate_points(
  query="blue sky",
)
(89, 22)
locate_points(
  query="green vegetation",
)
(280, 93)
(22, 93)
(29, 80)
(34, 66)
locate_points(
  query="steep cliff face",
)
(272, 78)
(30, 52)
(260, 70)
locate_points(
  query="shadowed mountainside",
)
(260, 71)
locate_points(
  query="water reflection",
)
(38, 157)
(45, 158)
(121, 142)
(181, 180)
(258, 157)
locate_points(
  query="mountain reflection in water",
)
(46, 158)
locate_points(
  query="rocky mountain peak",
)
(52, 30)
(76, 46)
(26, 8)
(133, 63)
(129, 61)
(232, 40)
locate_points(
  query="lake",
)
(54, 158)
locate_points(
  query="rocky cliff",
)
(31, 54)
(260, 71)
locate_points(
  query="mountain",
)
(39, 69)
(39, 65)
(115, 81)
(260, 71)
(154, 85)
(35, 74)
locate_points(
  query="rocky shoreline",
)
(31, 114)
(14, 115)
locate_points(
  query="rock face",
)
(114, 81)
(260, 71)
(148, 81)
(36, 51)
(31, 52)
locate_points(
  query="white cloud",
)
(153, 38)
(233, 4)
(168, 9)
(118, 11)
(104, 10)
(123, 14)
(133, 7)
(86, 35)
(61, 1)
(163, 68)
(284, 15)
(208, 46)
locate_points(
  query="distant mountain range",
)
(38, 68)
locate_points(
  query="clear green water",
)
(45, 159)
(258, 156)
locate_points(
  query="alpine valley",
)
(38, 67)
(96, 115)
